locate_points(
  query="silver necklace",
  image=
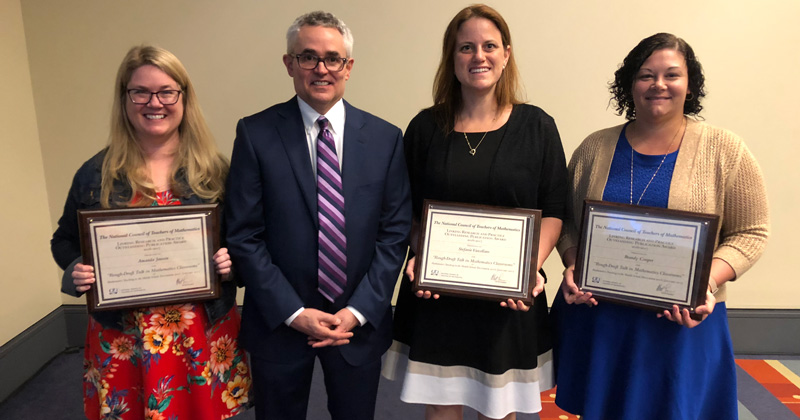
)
(657, 169)
(472, 150)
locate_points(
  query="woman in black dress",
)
(479, 144)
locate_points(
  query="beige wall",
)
(30, 286)
(567, 52)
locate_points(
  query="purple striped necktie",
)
(330, 208)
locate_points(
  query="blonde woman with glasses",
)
(181, 361)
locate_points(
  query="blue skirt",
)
(617, 362)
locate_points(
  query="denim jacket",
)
(66, 249)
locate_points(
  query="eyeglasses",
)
(310, 62)
(166, 97)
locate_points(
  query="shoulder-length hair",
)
(447, 100)
(198, 163)
(622, 86)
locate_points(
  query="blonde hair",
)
(197, 161)
(447, 100)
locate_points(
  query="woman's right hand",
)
(572, 294)
(83, 277)
(425, 294)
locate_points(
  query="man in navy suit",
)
(289, 233)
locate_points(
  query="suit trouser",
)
(282, 389)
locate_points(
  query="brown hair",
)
(447, 101)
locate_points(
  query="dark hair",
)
(447, 101)
(624, 76)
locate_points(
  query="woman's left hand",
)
(222, 261)
(518, 305)
(682, 317)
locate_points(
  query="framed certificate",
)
(478, 251)
(645, 256)
(150, 255)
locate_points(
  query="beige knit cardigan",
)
(714, 173)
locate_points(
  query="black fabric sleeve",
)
(65, 244)
(553, 182)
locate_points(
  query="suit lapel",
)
(352, 170)
(354, 154)
(293, 135)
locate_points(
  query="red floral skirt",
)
(168, 363)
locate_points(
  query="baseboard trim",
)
(29, 351)
(76, 319)
(754, 332)
(765, 331)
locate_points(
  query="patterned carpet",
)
(768, 390)
(781, 381)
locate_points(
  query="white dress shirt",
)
(335, 117)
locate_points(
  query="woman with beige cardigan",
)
(619, 362)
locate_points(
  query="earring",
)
(689, 97)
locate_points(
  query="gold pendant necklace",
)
(472, 150)
(657, 169)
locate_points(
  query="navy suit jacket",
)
(272, 228)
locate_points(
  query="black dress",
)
(467, 351)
